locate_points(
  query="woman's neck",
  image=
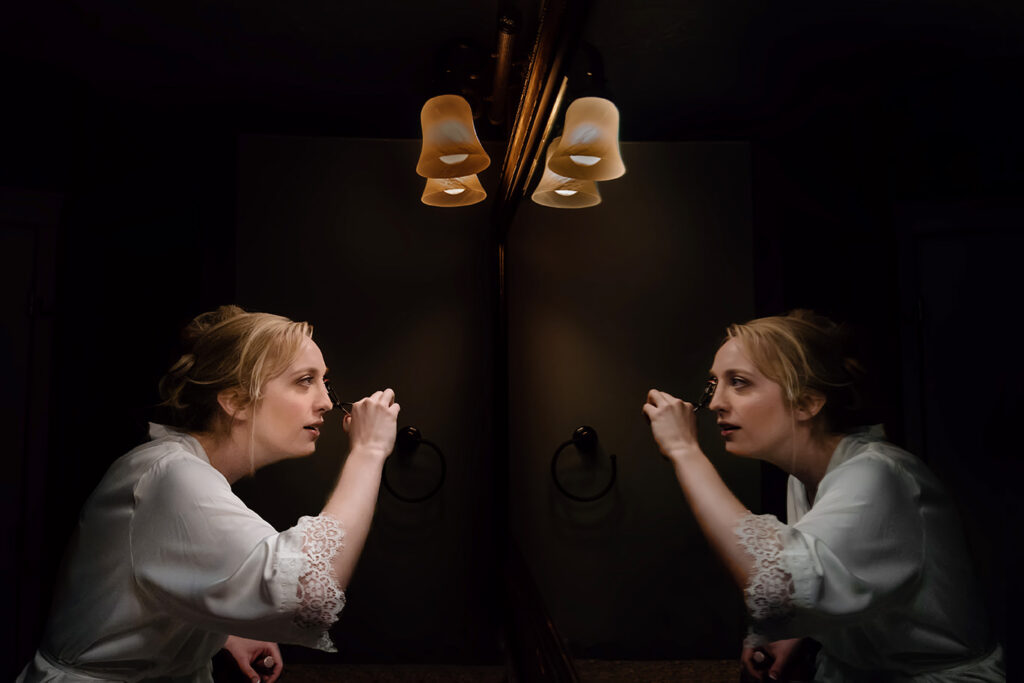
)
(228, 454)
(810, 460)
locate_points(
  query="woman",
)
(168, 565)
(872, 563)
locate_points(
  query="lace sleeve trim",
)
(769, 591)
(320, 598)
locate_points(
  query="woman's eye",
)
(738, 382)
(307, 380)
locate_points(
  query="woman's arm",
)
(189, 531)
(717, 510)
(372, 428)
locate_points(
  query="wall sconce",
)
(589, 148)
(453, 191)
(560, 192)
(451, 148)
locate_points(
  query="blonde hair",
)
(804, 352)
(227, 348)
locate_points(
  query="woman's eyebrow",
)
(729, 372)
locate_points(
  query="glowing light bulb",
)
(566, 193)
(455, 190)
(451, 159)
(584, 160)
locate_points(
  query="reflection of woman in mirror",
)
(168, 565)
(872, 563)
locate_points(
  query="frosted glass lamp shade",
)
(453, 191)
(589, 149)
(451, 148)
(560, 192)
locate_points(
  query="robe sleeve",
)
(200, 554)
(857, 550)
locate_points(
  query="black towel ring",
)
(585, 441)
(407, 441)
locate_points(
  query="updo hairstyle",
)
(227, 348)
(804, 352)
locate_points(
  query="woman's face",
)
(289, 417)
(751, 411)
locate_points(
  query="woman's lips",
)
(726, 428)
(315, 430)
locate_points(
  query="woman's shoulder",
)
(868, 446)
(170, 454)
(879, 465)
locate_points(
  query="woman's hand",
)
(373, 424)
(266, 656)
(673, 424)
(771, 660)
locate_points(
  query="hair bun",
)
(199, 325)
(840, 336)
(183, 365)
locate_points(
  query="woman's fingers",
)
(374, 422)
(248, 671)
(673, 422)
(751, 667)
(780, 653)
(276, 664)
(660, 399)
(384, 396)
(379, 399)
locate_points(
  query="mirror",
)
(777, 157)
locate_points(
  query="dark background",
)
(886, 191)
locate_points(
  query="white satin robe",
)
(876, 570)
(167, 561)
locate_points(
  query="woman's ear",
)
(233, 404)
(809, 405)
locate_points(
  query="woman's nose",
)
(324, 402)
(717, 401)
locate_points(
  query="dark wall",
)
(143, 241)
(28, 227)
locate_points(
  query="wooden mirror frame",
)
(534, 645)
(558, 34)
